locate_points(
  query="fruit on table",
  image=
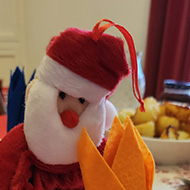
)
(165, 121)
(183, 135)
(151, 111)
(172, 133)
(160, 119)
(182, 113)
(124, 113)
(169, 133)
(146, 129)
(185, 126)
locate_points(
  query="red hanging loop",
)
(99, 30)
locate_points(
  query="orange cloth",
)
(96, 173)
(113, 141)
(149, 162)
(130, 163)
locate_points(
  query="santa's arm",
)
(11, 148)
(111, 112)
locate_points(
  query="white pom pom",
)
(111, 112)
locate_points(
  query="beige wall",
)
(12, 38)
(45, 18)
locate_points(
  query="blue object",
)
(16, 98)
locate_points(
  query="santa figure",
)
(70, 90)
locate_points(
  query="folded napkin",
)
(126, 164)
(16, 98)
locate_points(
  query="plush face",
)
(47, 132)
(70, 109)
(67, 102)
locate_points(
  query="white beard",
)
(47, 137)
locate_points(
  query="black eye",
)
(62, 95)
(81, 100)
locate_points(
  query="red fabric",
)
(20, 169)
(97, 34)
(168, 44)
(39, 176)
(102, 62)
(9, 155)
(3, 126)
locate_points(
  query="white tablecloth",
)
(168, 177)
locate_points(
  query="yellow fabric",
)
(96, 173)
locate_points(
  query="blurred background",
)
(26, 26)
(160, 30)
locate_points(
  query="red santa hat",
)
(89, 64)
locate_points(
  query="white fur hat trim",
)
(67, 81)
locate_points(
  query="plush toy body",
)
(20, 169)
(70, 90)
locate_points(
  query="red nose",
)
(69, 118)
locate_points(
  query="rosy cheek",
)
(80, 108)
(71, 103)
(60, 105)
(70, 109)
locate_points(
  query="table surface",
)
(168, 177)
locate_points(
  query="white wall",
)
(45, 18)
(12, 39)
